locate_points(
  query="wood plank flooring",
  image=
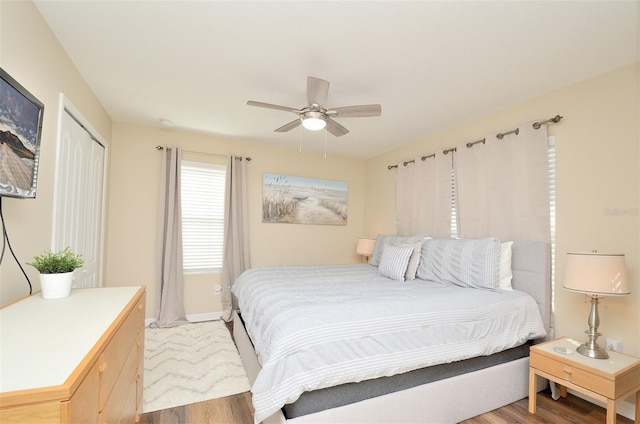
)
(569, 410)
(237, 409)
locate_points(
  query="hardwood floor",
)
(237, 409)
(569, 410)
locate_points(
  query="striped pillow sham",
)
(394, 261)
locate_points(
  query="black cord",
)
(5, 238)
(4, 235)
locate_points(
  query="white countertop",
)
(43, 340)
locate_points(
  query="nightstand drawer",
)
(582, 378)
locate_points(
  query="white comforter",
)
(320, 326)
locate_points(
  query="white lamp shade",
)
(597, 273)
(365, 246)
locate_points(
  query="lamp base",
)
(591, 348)
(594, 351)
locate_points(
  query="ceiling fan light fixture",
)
(313, 121)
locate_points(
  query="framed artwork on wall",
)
(301, 200)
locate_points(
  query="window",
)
(203, 186)
(552, 205)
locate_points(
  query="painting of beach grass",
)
(300, 200)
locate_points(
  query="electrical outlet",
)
(613, 344)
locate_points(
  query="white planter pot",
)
(56, 286)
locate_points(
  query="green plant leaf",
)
(57, 263)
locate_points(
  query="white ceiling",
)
(430, 64)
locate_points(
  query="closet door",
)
(78, 200)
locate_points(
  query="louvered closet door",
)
(79, 194)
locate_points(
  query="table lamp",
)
(596, 275)
(365, 247)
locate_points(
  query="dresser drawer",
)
(122, 395)
(140, 370)
(83, 406)
(115, 355)
(583, 378)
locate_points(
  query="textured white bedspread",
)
(320, 326)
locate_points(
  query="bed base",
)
(445, 401)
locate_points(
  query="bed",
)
(347, 344)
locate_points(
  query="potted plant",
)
(56, 271)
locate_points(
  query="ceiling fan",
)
(316, 116)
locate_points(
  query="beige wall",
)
(597, 172)
(30, 53)
(133, 199)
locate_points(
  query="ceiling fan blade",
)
(317, 90)
(334, 128)
(271, 106)
(288, 127)
(355, 111)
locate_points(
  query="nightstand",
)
(606, 380)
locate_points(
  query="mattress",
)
(324, 326)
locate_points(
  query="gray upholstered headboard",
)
(531, 264)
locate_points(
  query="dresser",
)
(73, 360)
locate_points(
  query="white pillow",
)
(414, 260)
(394, 261)
(506, 274)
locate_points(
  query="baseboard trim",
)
(624, 408)
(207, 316)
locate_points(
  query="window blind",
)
(454, 212)
(552, 213)
(203, 187)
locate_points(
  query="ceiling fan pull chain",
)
(300, 148)
(325, 144)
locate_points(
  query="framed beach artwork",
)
(300, 200)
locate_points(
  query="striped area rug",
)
(190, 363)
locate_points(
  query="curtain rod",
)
(247, 158)
(500, 136)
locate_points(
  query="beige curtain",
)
(236, 234)
(423, 196)
(170, 306)
(503, 186)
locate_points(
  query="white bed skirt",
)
(446, 401)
